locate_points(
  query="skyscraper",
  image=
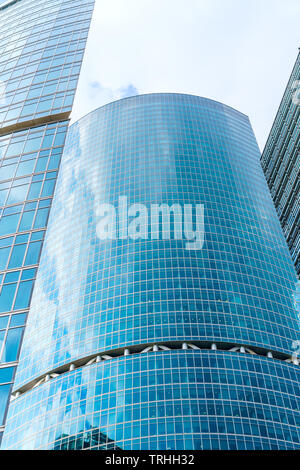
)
(41, 49)
(281, 163)
(144, 341)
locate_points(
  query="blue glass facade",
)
(142, 343)
(41, 49)
(281, 163)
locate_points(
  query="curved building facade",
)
(142, 341)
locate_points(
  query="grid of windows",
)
(28, 170)
(163, 400)
(281, 164)
(159, 148)
(20, 250)
(41, 48)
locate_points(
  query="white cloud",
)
(237, 52)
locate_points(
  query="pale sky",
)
(239, 52)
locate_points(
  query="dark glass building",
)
(139, 342)
(41, 49)
(281, 163)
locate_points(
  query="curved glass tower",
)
(142, 341)
(281, 163)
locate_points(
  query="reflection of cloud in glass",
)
(66, 318)
(2, 93)
(297, 298)
(48, 297)
(296, 344)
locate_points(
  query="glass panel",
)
(6, 374)
(54, 162)
(12, 343)
(17, 194)
(3, 195)
(18, 320)
(9, 224)
(25, 168)
(7, 297)
(4, 322)
(28, 274)
(15, 149)
(2, 336)
(4, 253)
(41, 164)
(6, 241)
(32, 144)
(17, 256)
(41, 218)
(26, 221)
(33, 253)
(7, 172)
(11, 277)
(48, 188)
(34, 190)
(37, 235)
(23, 295)
(4, 394)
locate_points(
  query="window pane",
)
(18, 320)
(48, 188)
(6, 297)
(25, 168)
(23, 295)
(17, 194)
(26, 221)
(7, 172)
(12, 343)
(2, 336)
(9, 224)
(15, 149)
(41, 164)
(3, 322)
(4, 394)
(33, 253)
(17, 256)
(34, 190)
(33, 144)
(3, 195)
(41, 218)
(54, 162)
(6, 374)
(4, 253)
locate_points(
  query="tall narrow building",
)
(139, 336)
(41, 49)
(281, 163)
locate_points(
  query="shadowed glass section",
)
(95, 295)
(281, 163)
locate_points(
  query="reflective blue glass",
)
(281, 163)
(165, 400)
(142, 343)
(4, 393)
(41, 49)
